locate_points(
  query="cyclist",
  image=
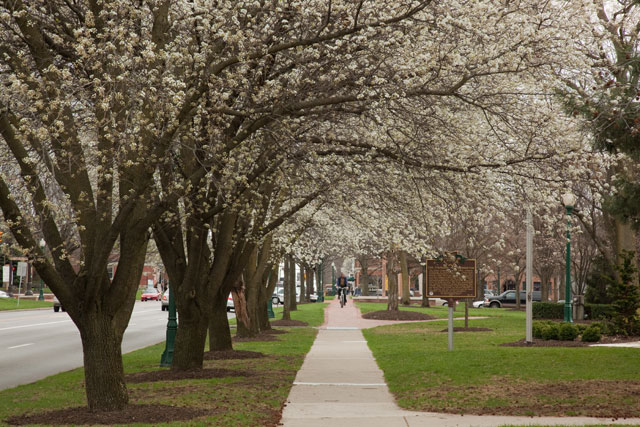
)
(343, 287)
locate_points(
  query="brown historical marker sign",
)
(451, 278)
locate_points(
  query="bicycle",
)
(343, 297)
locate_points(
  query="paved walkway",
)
(340, 384)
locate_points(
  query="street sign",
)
(451, 278)
(6, 273)
(22, 269)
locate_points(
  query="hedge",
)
(554, 310)
(598, 311)
(548, 310)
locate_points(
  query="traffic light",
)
(1, 233)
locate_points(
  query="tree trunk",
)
(272, 280)
(364, 275)
(405, 279)
(392, 304)
(190, 341)
(303, 291)
(293, 306)
(286, 308)
(319, 285)
(103, 372)
(544, 288)
(219, 331)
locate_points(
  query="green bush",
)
(598, 311)
(548, 310)
(581, 327)
(568, 332)
(536, 329)
(550, 331)
(605, 328)
(591, 334)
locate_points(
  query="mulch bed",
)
(232, 354)
(397, 315)
(470, 329)
(154, 414)
(283, 322)
(537, 342)
(172, 375)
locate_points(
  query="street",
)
(37, 343)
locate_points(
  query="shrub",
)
(599, 311)
(591, 334)
(581, 327)
(625, 293)
(606, 328)
(536, 329)
(567, 332)
(550, 331)
(548, 310)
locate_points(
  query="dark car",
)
(508, 298)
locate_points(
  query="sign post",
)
(451, 277)
(22, 272)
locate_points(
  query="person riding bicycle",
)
(343, 286)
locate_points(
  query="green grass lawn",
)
(233, 401)
(480, 376)
(12, 304)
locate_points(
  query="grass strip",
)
(251, 400)
(481, 377)
(438, 311)
(25, 304)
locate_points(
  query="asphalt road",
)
(37, 343)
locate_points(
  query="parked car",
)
(230, 305)
(3, 294)
(165, 301)
(478, 304)
(508, 298)
(440, 301)
(57, 306)
(150, 294)
(278, 296)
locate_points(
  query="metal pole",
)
(270, 313)
(172, 328)
(41, 296)
(451, 304)
(567, 287)
(529, 328)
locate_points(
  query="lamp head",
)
(42, 243)
(568, 199)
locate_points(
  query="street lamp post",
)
(569, 201)
(42, 245)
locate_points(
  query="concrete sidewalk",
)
(340, 384)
